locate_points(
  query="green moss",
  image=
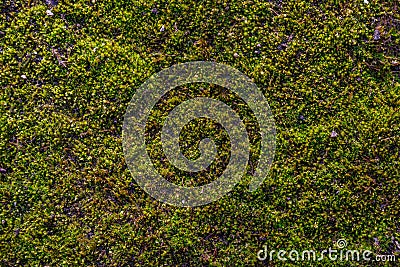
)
(66, 195)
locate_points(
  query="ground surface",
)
(329, 70)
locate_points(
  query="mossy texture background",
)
(329, 69)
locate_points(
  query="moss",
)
(66, 195)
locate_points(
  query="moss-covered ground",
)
(68, 69)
